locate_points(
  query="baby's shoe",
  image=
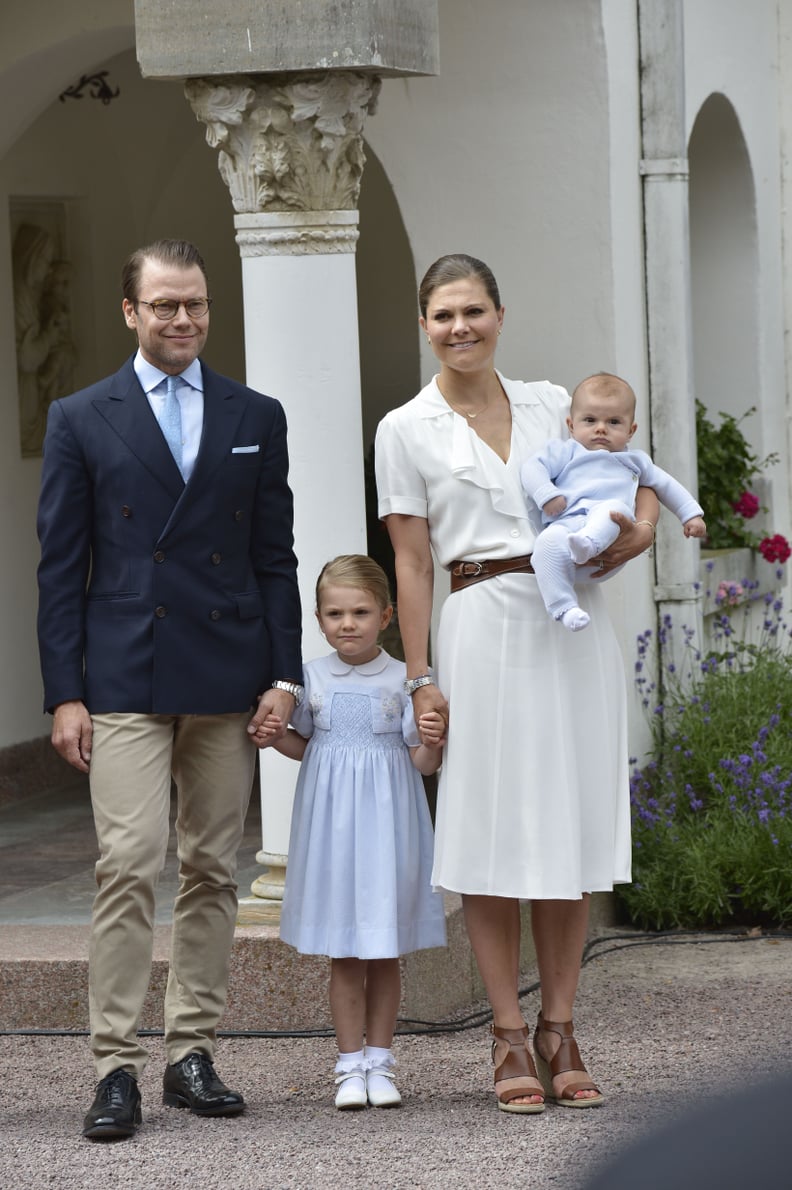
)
(351, 1081)
(380, 1080)
(575, 618)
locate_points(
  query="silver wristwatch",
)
(297, 692)
(413, 684)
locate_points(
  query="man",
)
(168, 609)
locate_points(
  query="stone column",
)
(290, 149)
(664, 168)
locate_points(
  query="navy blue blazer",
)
(155, 596)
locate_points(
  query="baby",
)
(577, 483)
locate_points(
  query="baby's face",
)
(602, 422)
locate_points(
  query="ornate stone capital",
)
(287, 143)
(296, 233)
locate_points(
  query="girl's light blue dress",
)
(360, 852)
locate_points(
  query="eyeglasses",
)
(165, 308)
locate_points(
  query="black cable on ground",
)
(474, 1019)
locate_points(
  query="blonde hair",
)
(605, 384)
(355, 570)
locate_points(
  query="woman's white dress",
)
(360, 854)
(533, 799)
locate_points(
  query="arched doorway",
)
(388, 326)
(724, 265)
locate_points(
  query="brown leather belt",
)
(463, 574)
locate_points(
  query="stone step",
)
(44, 979)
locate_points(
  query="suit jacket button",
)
(216, 559)
(214, 615)
(159, 555)
(238, 514)
(160, 612)
(126, 510)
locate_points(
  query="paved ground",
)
(662, 1026)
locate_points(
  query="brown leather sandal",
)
(567, 1057)
(515, 1073)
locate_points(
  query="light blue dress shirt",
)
(189, 394)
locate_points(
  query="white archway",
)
(724, 265)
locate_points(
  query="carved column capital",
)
(296, 233)
(287, 143)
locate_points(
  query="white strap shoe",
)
(351, 1091)
(381, 1087)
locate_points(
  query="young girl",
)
(360, 853)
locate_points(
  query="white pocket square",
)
(244, 450)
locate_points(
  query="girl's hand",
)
(270, 729)
(432, 729)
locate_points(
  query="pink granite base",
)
(44, 977)
(44, 980)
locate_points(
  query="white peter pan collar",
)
(341, 668)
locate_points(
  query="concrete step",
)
(44, 979)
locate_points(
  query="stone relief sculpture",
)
(44, 344)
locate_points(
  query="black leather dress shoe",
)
(115, 1111)
(193, 1083)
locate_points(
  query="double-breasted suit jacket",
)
(158, 596)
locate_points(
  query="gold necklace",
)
(469, 416)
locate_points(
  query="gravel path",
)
(660, 1025)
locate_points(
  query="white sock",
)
(575, 619)
(347, 1062)
(582, 548)
(375, 1056)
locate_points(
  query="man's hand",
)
(72, 733)
(271, 718)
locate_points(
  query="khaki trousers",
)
(212, 761)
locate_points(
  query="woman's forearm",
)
(415, 590)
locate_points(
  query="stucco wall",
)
(732, 48)
(129, 171)
(525, 150)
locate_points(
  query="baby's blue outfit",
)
(594, 483)
(360, 853)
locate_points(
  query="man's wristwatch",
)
(297, 692)
(413, 684)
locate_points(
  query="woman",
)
(533, 798)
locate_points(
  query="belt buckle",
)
(471, 569)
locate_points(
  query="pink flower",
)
(747, 506)
(775, 548)
(729, 592)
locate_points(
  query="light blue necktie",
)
(170, 422)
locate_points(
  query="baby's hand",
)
(432, 729)
(695, 527)
(555, 506)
